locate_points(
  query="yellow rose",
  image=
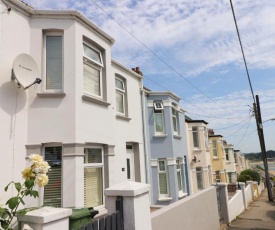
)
(42, 180)
(35, 158)
(41, 167)
(27, 173)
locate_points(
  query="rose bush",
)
(34, 175)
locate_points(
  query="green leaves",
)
(4, 213)
(4, 224)
(29, 183)
(13, 202)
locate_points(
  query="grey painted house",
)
(167, 147)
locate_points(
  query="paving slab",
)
(260, 215)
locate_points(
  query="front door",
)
(130, 163)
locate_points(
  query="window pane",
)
(195, 137)
(179, 181)
(175, 124)
(52, 191)
(119, 84)
(119, 102)
(54, 62)
(159, 127)
(161, 166)
(91, 80)
(93, 189)
(163, 184)
(128, 169)
(92, 156)
(92, 54)
(199, 178)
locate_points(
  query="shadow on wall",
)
(8, 93)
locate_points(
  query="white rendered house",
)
(83, 116)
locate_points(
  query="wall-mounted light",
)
(196, 160)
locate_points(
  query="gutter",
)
(62, 14)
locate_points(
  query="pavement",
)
(260, 215)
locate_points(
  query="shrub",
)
(253, 174)
(244, 178)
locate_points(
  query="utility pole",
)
(257, 111)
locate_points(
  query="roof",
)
(190, 120)
(61, 14)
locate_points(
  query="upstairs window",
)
(226, 155)
(195, 133)
(206, 138)
(92, 71)
(120, 96)
(175, 120)
(158, 118)
(214, 146)
(53, 48)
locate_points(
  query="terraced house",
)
(82, 118)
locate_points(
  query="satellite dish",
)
(25, 71)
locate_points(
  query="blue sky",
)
(190, 47)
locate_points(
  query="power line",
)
(247, 73)
(238, 129)
(236, 124)
(156, 55)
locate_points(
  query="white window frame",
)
(95, 65)
(215, 152)
(178, 168)
(158, 110)
(95, 165)
(158, 105)
(123, 93)
(175, 117)
(199, 171)
(163, 172)
(45, 35)
(206, 141)
(227, 154)
(195, 131)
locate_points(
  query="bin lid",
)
(80, 212)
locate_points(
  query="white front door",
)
(130, 163)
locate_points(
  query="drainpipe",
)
(144, 135)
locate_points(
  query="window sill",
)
(177, 136)
(160, 135)
(164, 199)
(182, 195)
(95, 100)
(216, 158)
(197, 150)
(101, 213)
(123, 117)
(52, 95)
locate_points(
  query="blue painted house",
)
(167, 147)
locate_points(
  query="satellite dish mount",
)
(25, 71)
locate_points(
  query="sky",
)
(191, 48)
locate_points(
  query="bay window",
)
(195, 134)
(175, 120)
(162, 176)
(179, 177)
(158, 118)
(53, 190)
(92, 70)
(53, 56)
